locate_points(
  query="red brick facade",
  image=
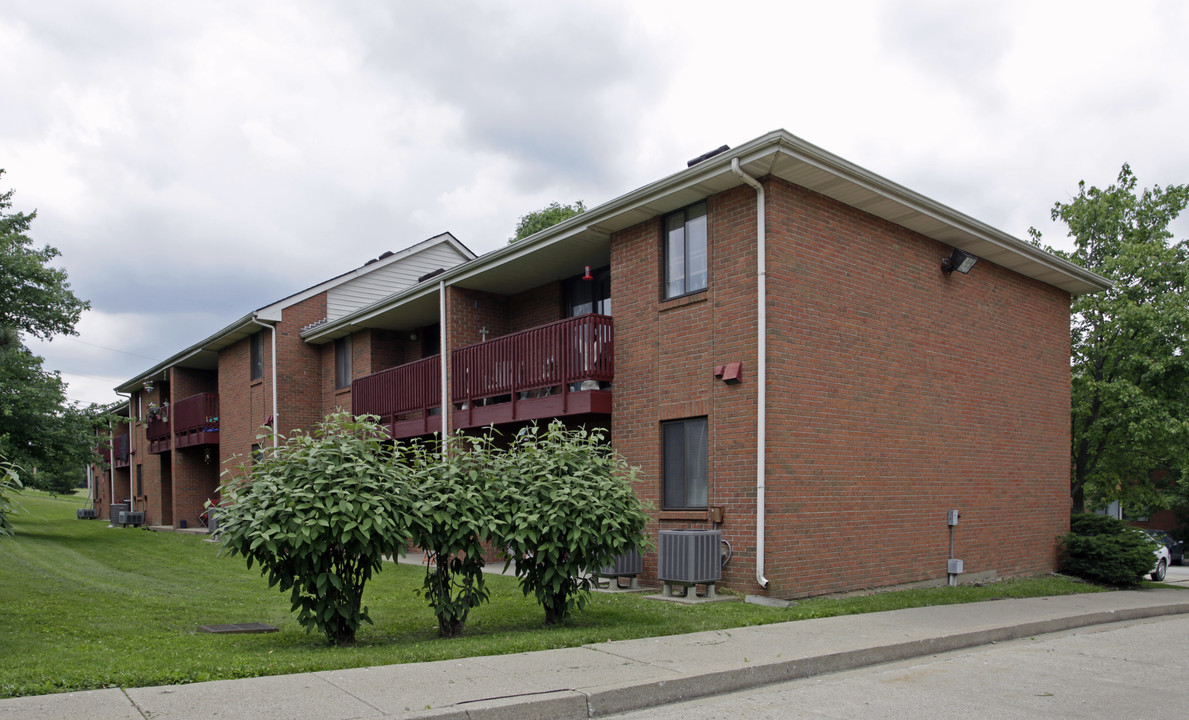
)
(896, 392)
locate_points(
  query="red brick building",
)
(771, 335)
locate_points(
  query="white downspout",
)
(276, 418)
(443, 348)
(112, 470)
(762, 362)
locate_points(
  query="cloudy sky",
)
(194, 161)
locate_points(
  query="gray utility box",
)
(128, 517)
(689, 557)
(113, 512)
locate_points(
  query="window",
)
(140, 481)
(589, 296)
(685, 251)
(257, 355)
(685, 453)
(342, 363)
(257, 453)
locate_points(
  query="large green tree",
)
(1130, 367)
(548, 216)
(39, 428)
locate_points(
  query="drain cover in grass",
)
(238, 628)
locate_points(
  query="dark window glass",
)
(342, 362)
(589, 296)
(140, 480)
(431, 340)
(257, 453)
(685, 251)
(686, 468)
(257, 355)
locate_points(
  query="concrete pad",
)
(279, 697)
(110, 704)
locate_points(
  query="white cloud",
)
(193, 162)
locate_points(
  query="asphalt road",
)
(1127, 670)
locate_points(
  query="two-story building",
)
(812, 359)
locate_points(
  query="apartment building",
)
(810, 358)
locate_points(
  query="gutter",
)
(276, 418)
(762, 362)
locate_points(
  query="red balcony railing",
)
(157, 432)
(553, 370)
(196, 420)
(547, 371)
(120, 456)
(404, 396)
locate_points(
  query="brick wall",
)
(896, 392)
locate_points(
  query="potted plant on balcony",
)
(157, 413)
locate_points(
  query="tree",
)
(319, 514)
(34, 298)
(1130, 360)
(548, 216)
(38, 427)
(451, 520)
(564, 507)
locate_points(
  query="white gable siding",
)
(373, 285)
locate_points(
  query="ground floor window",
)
(686, 474)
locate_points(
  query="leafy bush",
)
(452, 515)
(1105, 550)
(10, 483)
(319, 514)
(564, 507)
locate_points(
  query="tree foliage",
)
(1130, 368)
(319, 514)
(564, 507)
(452, 517)
(548, 216)
(35, 298)
(39, 428)
(1105, 550)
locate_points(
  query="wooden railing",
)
(196, 420)
(555, 355)
(534, 372)
(401, 390)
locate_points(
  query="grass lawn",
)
(84, 606)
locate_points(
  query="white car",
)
(1163, 557)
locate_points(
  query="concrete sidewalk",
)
(606, 678)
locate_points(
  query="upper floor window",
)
(685, 251)
(589, 296)
(685, 449)
(342, 363)
(256, 354)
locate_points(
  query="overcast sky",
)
(194, 161)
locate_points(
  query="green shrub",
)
(10, 484)
(319, 514)
(452, 516)
(1105, 550)
(564, 507)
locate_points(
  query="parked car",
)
(1176, 548)
(1162, 556)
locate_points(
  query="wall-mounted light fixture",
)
(588, 276)
(958, 260)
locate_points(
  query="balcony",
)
(407, 397)
(563, 368)
(157, 432)
(120, 456)
(196, 420)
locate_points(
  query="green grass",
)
(83, 606)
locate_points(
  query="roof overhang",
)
(563, 250)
